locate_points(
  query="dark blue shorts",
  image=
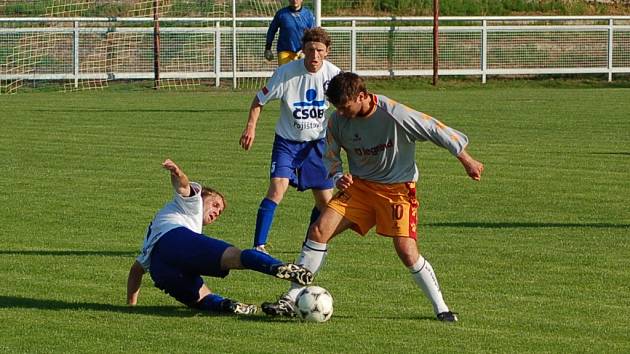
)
(179, 259)
(301, 163)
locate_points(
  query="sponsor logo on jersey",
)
(311, 109)
(374, 150)
(265, 90)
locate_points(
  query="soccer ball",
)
(314, 304)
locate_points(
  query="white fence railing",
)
(99, 48)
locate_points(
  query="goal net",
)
(114, 49)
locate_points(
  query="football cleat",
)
(447, 316)
(283, 307)
(238, 308)
(294, 273)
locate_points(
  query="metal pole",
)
(75, 55)
(318, 13)
(484, 51)
(217, 54)
(234, 84)
(353, 47)
(156, 45)
(610, 49)
(436, 51)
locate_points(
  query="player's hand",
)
(473, 167)
(247, 138)
(170, 165)
(344, 182)
(268, 55)
(474, 170)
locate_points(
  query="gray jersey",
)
(381, 147)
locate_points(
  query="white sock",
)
(295, 291)
(423, 274)
(312, 257)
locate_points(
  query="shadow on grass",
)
(293, 320)
(13, 302)
(514, 225)
(69, 253)
(56, 305)
(401, 317)
(85, 253)
(611, 153)
(148, 110)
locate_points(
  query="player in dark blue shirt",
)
(292, 21)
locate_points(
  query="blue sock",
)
(263, 221)
(211, 302)
(259, 261)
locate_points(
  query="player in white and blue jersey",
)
(299, 144)
(176, 253)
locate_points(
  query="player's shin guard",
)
(312, 257)
(259, 261)
(424, 276)
(264, 219)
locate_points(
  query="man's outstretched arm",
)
(180, 181)
(133, 283)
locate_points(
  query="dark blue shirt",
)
(292, 25)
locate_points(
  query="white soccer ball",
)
(314, 304)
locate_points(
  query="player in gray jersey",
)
(379, 136)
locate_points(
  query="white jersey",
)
(180, 212)
(302, 99)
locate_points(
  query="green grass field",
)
(534, 257)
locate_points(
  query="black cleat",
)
(447, 316)
(294, 273)
(283, 307)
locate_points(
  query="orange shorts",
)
(393, 208)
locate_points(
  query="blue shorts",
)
(179, 259)
(301, 163)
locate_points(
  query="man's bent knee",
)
(317, 234)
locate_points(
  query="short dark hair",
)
(316, 34)
(344, 87)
